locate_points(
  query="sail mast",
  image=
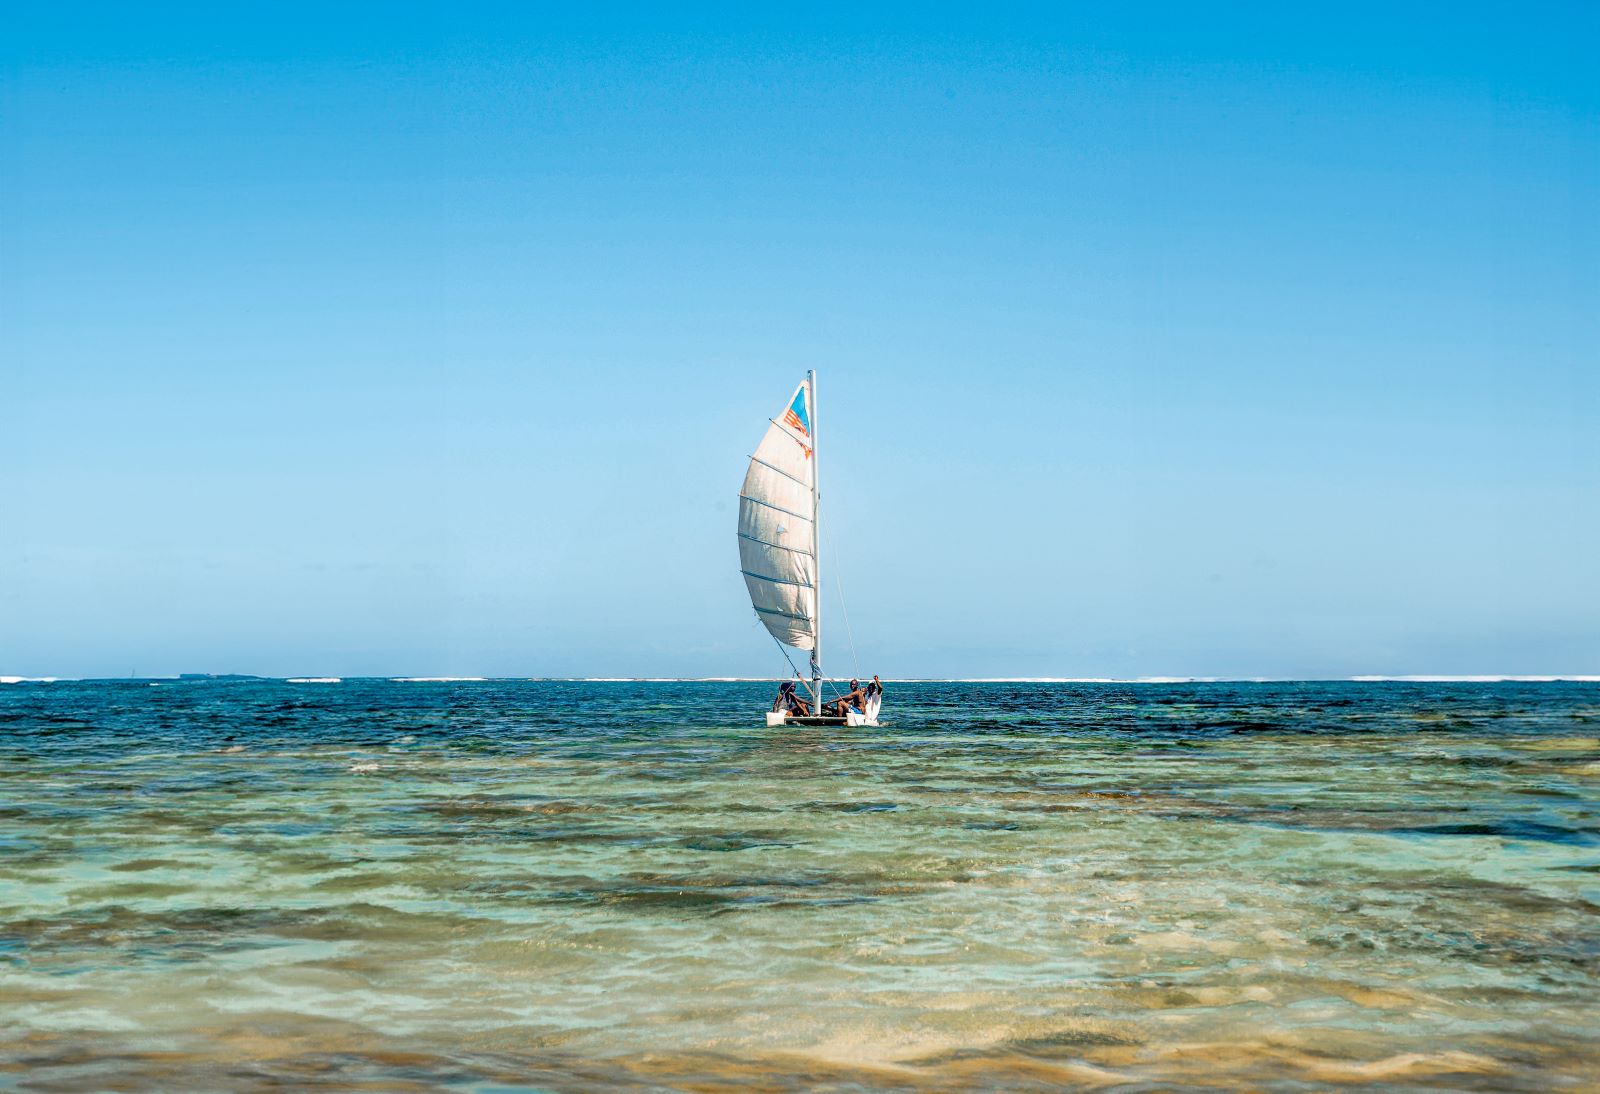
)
(816, 514)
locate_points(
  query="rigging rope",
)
(783, 650)
(843, 608)
(826, 681)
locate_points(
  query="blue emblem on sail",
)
(796, 417)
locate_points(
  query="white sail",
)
(778, 525)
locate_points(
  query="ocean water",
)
(503, 886)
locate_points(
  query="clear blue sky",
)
(1152, 340)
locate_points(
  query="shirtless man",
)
(849, 701)
(788, 702)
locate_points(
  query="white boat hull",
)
(851, 718)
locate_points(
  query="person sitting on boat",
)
(853, 700)
(875, 687)
(789, 702)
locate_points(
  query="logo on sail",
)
(796, 417)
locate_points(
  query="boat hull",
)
(850, 718)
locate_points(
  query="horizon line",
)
(1412, 678)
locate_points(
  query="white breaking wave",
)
(1247, 679)
(1477, 679)
(1066, 680)
(437, 679)
(638, 679)
(1484, 678)
(1072, 679)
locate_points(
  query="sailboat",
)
(779, 548)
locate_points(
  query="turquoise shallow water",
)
(564, 886)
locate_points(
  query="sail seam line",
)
(779, 508)
(786, 615)
(780, 471)
(777, 580)
(778, 546)
(785, 431)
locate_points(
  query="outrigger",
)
(779, 510)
